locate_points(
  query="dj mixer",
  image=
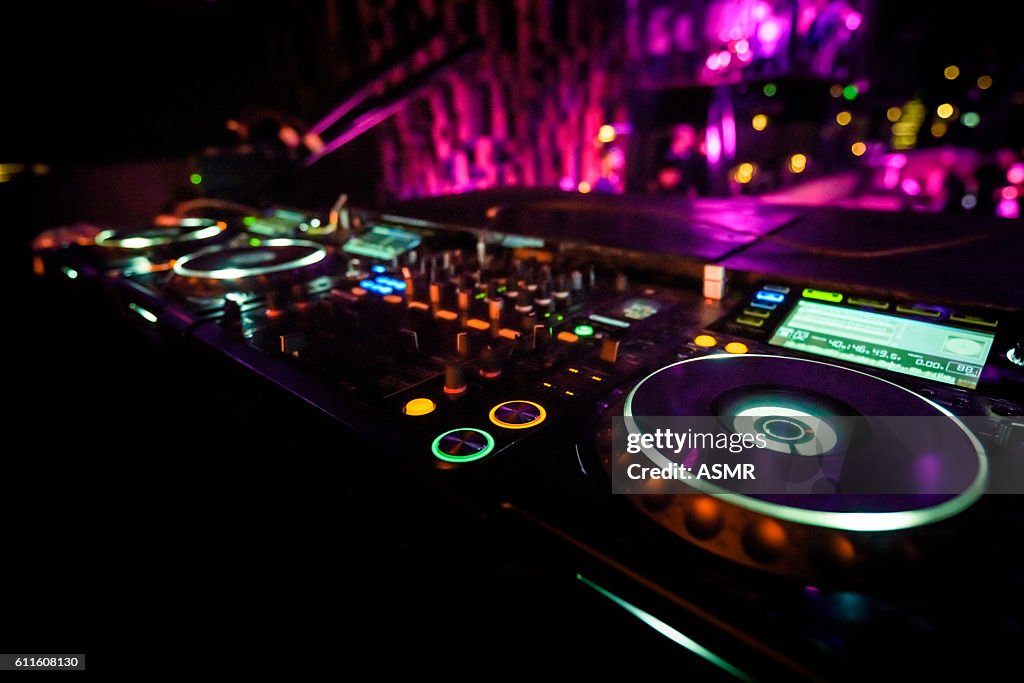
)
(487, 348)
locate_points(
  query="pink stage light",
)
(1016, 174)
(1008, 208)
(853, 20)
(714, 145)
(911, 186)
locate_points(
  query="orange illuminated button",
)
(419, 406)
(736, 347)
(568, 337)
(477, 324)
(518, 414)
(705, 340)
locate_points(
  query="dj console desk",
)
(402, 422)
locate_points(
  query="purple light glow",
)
(928, 469)
(729, 134)
(713, 62)
(853, 20)
(896, 160)
(1009, 192)
(714, 145)
(567, 184)
(724, 58)
(769, 31)
(911, 186)
(742, 47)
(1008, 208)
(812, 591)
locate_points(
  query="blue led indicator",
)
(391, 282)
(774, 297)
(761, 304)
(376, 287)
(379, 269)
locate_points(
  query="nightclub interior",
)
(379, 337)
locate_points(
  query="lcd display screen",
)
(911, 347)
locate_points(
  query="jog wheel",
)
(268, 267)
(853, 473)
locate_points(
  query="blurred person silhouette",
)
(683, 168)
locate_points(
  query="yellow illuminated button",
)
(568, 337)
(736, 347)
(518, 414)
(419, 406)
(705, 340)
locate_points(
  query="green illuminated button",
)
(868, 303)
(924, 311)
(755, 313)
(974, 320)
(750, 322)
(584, 330)
(464, 444)
(820, 295)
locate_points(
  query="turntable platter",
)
(795, 405)
(216, 271)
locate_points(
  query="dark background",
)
(131, 541)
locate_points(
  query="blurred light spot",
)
(853, 20)
(858, 149)
(744, 173)
(951, 72)
(40, 169)
(770, 89)
(836, 90)
(567, 184)
(970, 119)
(1015, 174)
(843, 118)
(939, 129)
(1009, 192)
(583, 187)
(606, 133)
(713, 143)
(797, 163)
(742, 47)
(769, 31)
(759, 122)
(1008, 208)
(968, 201)
(195, 179)
(713, 62)
(850, 92)
(944, 110)
(893, 114)
(985, 82)
(911, 187)
(724, 57)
